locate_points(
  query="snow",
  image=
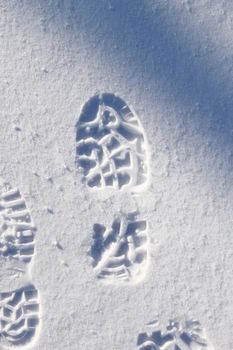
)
(171, 62)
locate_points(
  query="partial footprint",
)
(188, 335)
(16, 226)
(111, 147)
(19, 308)
(120, 253)
(19, 316)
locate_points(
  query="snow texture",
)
(170, 62)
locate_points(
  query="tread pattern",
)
(189, 335)
(16, 227)
(19, 316)
(120, 253)
(19, 309)
(111, 147)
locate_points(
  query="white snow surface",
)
(172, 61)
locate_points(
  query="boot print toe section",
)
(19, 316)
(111, 148)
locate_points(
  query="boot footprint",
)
(19, 308)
